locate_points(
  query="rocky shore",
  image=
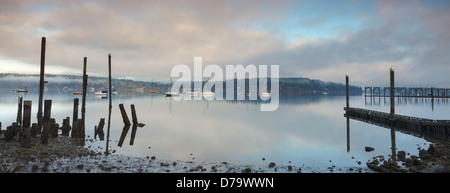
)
(432, 160)
(67, 155)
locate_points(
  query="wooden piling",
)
(26, 114)
(75, 110)
(19, 112)
(25, 138)
(76, 129)
(83, 102)
(34, 130)
(346, 91)
(65, 128)
(124, 115)
(392, 94)
(99, 130)
(10, 132)
(133, 115)
(109, 91)
(45, 134)
(41, 82)
(110, 106)
(47, 110)
(54, 127)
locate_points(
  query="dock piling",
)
(26, 114)
(41, 82)
(346, 92)
(392, 93)
(19, 112)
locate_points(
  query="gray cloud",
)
(147, 38)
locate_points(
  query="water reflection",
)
(303, 130)
(405, 101)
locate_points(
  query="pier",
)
(436, 129)
(418, 92)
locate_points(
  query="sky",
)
(318, 39)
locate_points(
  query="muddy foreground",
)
(67, 155)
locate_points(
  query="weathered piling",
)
(25, 138)
(126, 121)
(75, 110)
(392, 94)
(35, 130)
(26, 114)
(54, 128)
(99, 130)
(76, 129)
(110, 106)
(83, 102)
(45, 134)
(65, 128)
(133, 115)
(19, 112)
(41, 82)
(109, 79)
(11, 131)
(346, 92)
(47, 110)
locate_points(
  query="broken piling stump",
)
(99, 130)
(10, 132)
(25, 138)
(34, 130)
(45, 134)
(19, 112)
(26, 114)
(54, 127)
(76, 129)
(47, 110)
(65, 128)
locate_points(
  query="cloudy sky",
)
(315, 39)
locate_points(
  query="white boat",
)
(264, 94)
(20, 90)
(102, 92)
(170, 93)
(193, 93)
(208, 94)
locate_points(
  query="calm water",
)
(305, 130)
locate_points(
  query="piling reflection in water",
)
(127, 125)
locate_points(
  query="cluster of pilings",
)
(46, 126)
(416, 92)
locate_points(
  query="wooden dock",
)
(438, 129)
